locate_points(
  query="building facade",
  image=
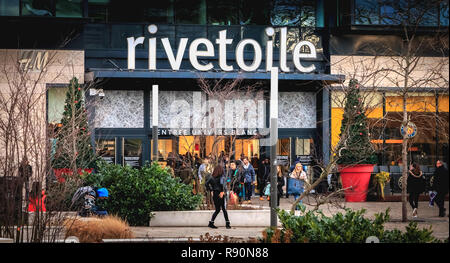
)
(129, 46)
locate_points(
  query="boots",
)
(211, 224)
(441, 212)
(227, 225)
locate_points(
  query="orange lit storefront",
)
(429, 111)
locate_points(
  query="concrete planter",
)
(200, 218)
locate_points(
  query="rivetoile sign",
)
(195, 54)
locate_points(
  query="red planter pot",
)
(357, 177)
(60, 172)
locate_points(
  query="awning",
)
(161, 74)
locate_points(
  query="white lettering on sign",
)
(196, 54)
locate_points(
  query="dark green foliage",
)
(135, 193)
(357, 148)
(350, 227)
(73, 142)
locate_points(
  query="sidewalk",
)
(427, 216)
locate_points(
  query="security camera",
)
(100, 93)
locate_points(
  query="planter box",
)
(200, 218)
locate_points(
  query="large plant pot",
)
(357, 177)
(61, 172)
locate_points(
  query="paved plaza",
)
(428, 216)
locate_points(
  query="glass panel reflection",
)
(132, 152)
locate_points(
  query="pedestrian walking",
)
(249, 178)
(217, 184)
(300, 175)
(263, 177)
(25, 173)
(280, 184)
(415, 186)
(440, 185)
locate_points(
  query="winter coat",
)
(216, 184)
(264, 174)
(280, 184)
(440, 181)
(415, 184)
(248, 173)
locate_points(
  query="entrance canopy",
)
(94, 73)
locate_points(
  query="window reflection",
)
(293, 13)
(9, 7)
(223, 12)
(37, 8)
(390, 12)
(69, 8)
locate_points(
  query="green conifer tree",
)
(357, 148)
(73, 146)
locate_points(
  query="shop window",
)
(302, 146)
(132, 152)
(9, 7)
(246, 147)
(56, 103)
(188, 144)
(106, 149)
(165, 148)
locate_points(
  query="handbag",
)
(233, 198)
(267, 190)
(294, 186)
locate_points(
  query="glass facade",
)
(385, 118)
(9, 7)
(389, 12)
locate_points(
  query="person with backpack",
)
(217, 184)
(92, 201)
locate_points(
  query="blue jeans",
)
(298, 195)
(248, 191)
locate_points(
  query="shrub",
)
(351, 227)
(135, 193)
(96, 229)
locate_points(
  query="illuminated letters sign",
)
(195, 54)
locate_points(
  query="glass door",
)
(132, 152)
(106, 149)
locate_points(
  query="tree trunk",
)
(404, 161)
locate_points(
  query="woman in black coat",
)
(415, 186)
(280, 184)
(217, 184)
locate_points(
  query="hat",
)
(102, 192)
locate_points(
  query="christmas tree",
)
(356, 147)
(73, 146)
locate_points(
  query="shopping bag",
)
(294, 186)
(233, 198)
(267, 190)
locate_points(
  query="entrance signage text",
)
(196, 54)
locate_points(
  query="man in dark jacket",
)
(440, 185)
(263, 177)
